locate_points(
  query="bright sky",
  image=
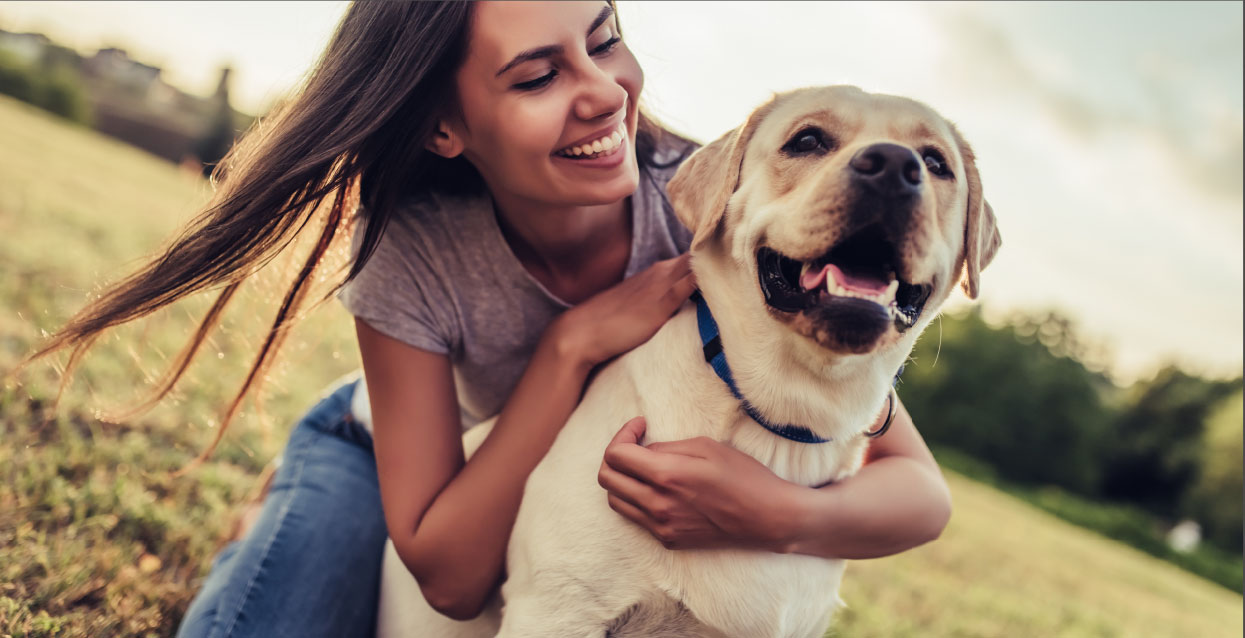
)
(1109, 135)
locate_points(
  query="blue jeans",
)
(310, 566)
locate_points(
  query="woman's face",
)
(541, 83)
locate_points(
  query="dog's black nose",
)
(889, 169)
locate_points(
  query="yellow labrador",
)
(828, 229)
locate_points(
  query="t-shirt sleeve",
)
(400, 291)
(661, 176)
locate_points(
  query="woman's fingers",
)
(630, 312)
(697, 447)
(668, 465)
(625, 454)
(661, 523)
(680, 291)
(617, 481)
(656, 488)
(636, 461)
(681, 264)
(663, 533)
(636, 493)
(630, 433)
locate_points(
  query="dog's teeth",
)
(889, 295)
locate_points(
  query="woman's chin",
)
(608, 196)
(606, 191)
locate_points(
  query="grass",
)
(1125, 523)
(1003, 568)
(98, 538)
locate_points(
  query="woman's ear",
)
(445, 141)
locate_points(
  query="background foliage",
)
(1013, 404)
(54, 85)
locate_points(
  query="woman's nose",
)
(601, 95)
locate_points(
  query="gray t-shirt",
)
(443, 279)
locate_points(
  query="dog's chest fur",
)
(612, 567)
(688, 400)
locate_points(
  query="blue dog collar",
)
(711, 345)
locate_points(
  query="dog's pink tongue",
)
(811, 279)
(857, 284)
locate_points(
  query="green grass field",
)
(97, 538)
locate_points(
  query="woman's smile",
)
(605, 149)
(597, 143)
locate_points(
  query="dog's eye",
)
(808, 141)
(935, 163)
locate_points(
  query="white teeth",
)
(885, 298)
(893, 288)
(607, 143)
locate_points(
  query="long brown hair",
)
(353, 136)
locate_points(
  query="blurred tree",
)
(56, 57)
(16, 79)
(56, 87)
(62, 93)
(1006, 395)
(1215, 498)
(1157, 441)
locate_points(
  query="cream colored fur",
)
(576, 568)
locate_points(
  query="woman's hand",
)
(625, 315)
(696, 493)
(700, 493)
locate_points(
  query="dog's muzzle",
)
(857, 288)
(856, 275)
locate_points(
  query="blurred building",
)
(129, 100)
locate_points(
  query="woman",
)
(516, 236)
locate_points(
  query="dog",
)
(827, 229)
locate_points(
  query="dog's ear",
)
(981, 233)
(706, 180)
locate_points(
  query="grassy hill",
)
(98, 538)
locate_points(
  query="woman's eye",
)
(538, 82)
(809, 140)
(607, 46)
(935, 163)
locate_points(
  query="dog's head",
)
(852, 214)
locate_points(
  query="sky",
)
(1108, 135)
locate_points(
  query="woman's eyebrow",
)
(547, 51)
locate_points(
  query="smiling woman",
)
(530, 113)
(513, 234)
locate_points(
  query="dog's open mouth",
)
(860, 268)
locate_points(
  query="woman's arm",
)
(897, 501)
(701, 493)
(450, 519)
